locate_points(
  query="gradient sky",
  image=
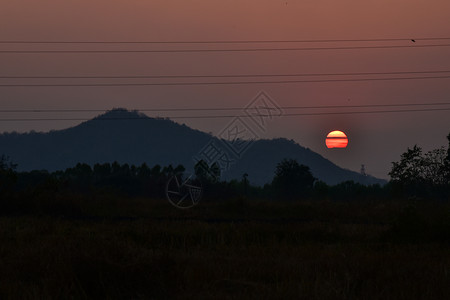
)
(374, 140)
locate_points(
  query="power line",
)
(228, 116)
(228, 41)
(367, 112)
(229, 108)
(218, 50)
(220, 82)
(368, 105)
(226, 75)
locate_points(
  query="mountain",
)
(131, 137)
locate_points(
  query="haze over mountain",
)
(132, 137)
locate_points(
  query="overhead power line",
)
(404, 39)
(228, 108)
(230, 116)
(219, 50)
(221, 82)
(225, 76)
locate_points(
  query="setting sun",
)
(336, 139)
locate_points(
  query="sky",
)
(375, 140)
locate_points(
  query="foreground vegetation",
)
(107, 232)
(95, 246)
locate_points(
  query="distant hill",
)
(132, 137)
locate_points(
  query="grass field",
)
(108, 247)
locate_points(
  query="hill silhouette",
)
(134, 138)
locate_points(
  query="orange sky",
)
(376, 139)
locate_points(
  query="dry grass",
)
(309, 250)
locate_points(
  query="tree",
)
(168, 171)
(292, 180)
(179, 169)
(408, 169)
(201, 169)
(8, 176)
(102, 171)
(156, 171)
(215, 171)
(205, 172)
(434, 166)
(245, 183)
(447, 162)
(143, 172)
(422, 174)
(415, 168)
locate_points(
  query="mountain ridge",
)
(134, 138)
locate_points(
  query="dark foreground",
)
(140, 248)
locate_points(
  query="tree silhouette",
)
(179, 169)
(156, 171)
(143, 172)
(292, 180)
(8, 175)
(448, 149)
(416, 168)
(245, 183)
(205, 172)
(408, 170)
(422, 174)
(214, 171)
(102, 171)
(447, 162)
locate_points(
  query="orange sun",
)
(336, 139)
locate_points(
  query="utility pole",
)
(363, 170)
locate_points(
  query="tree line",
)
(417, 174)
